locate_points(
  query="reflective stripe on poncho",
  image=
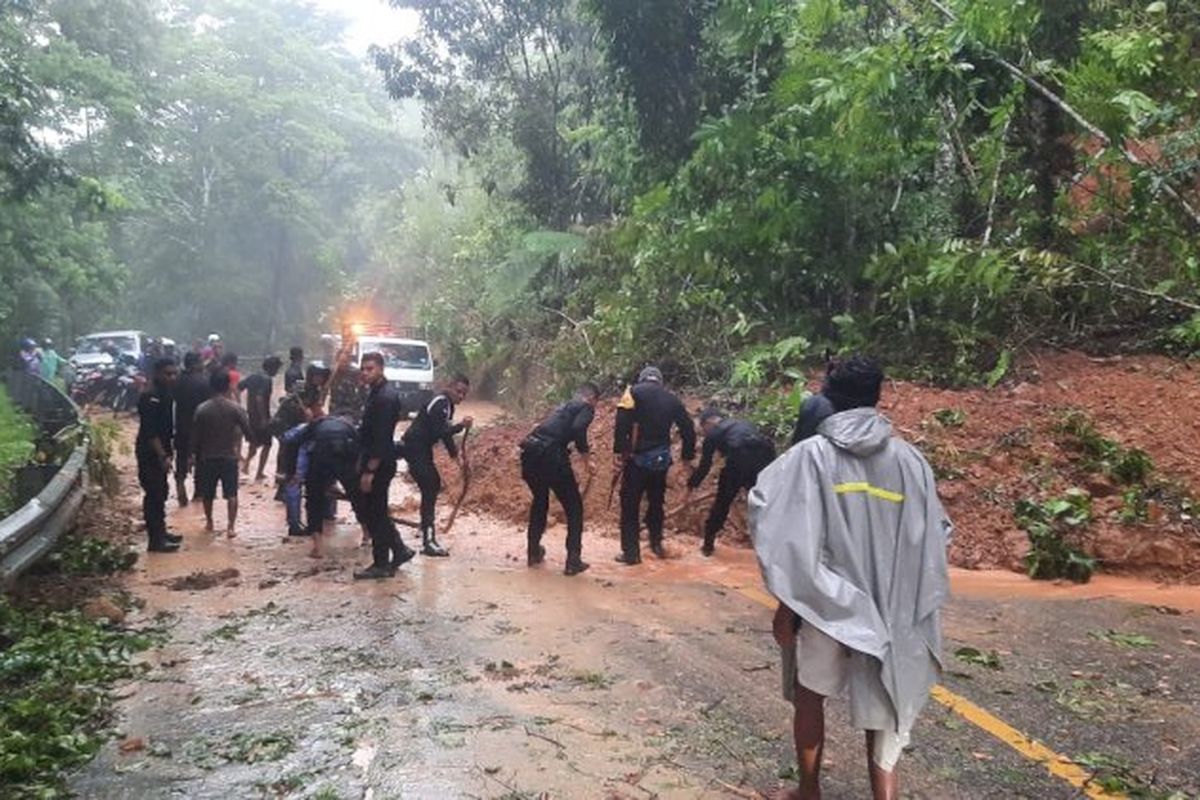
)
(851, 536)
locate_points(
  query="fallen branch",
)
(545, 738)
(674, 512)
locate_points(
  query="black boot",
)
(710, 544)
(429, 544)
(374, 573)
(402, 556)
(575, 565)
(535, 555)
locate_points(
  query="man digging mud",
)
(434, 423)
(642, 444)
(851, 539)
(746, 451)
(546, 467)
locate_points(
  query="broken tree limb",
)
(691, 501)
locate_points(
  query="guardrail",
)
(32, 530)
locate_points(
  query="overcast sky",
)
(371, 22)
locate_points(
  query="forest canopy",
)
(724, 188)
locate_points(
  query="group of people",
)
(42, 360)
(846, 524)
(195, 423)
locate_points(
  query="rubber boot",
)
(534, 554)
(575, 564)
(430, 546)
(710, 544)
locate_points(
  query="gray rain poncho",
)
(851, 536)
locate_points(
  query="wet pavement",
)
(474, 676)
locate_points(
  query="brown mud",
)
(991, 448)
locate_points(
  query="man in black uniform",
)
(546, 467)
(377, 468)
(643, 447)
(434, 423)
(295, 370)
(156, 412)
(191, 390)
(747, 452)
(334, 457)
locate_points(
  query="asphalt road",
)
(474, 676)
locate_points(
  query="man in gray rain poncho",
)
(851, 539)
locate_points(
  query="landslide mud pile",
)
(991, 449)
(497, 488)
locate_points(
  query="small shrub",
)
(1050, 557)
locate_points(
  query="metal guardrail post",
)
(32, 530)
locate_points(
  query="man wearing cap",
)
(851, 540)
(642, 445)
(746, 451)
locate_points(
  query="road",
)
(474, 676)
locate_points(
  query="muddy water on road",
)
(477, 677)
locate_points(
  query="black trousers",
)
(153, 480)
(429, 481)
(635, 484)
(740, 472)
(324, 470)
(548, 472)
(372, 510)
(183, 452)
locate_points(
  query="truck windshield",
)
(403, 356)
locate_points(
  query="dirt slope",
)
(991, 448)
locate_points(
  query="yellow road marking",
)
(862, 487)
(1057, 765)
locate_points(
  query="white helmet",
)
(213, 338)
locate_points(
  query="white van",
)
(407, 363)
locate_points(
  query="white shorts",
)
(822, 665)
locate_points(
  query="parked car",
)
(92, 350)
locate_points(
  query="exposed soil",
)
(1006, 445)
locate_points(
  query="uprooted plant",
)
(1051, 525)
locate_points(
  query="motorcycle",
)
(130, 382)
(94, 385)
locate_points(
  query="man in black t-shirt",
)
(642, 444)
(434, 423)
(747, 452)
(156, 429)
(191, 390)
(258, 406)
(546, 468)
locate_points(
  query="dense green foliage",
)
(945, 183)
(56, 670)
(16, 446)
(185, 167)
